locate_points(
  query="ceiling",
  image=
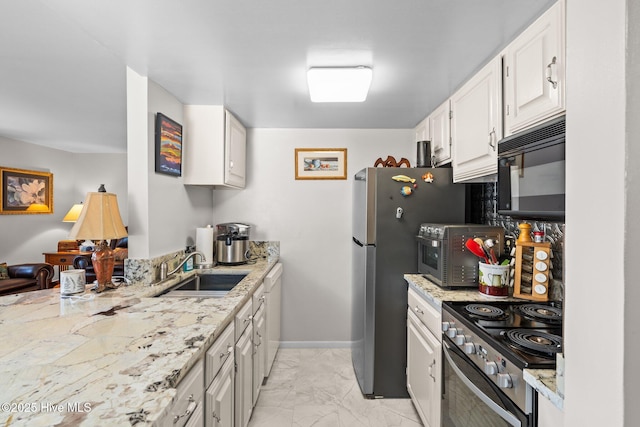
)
(63, 62)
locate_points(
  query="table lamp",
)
(100, 220)
(73, 214)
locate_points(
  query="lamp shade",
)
(74, 213)
(99, 219)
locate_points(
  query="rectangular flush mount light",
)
(339, 84)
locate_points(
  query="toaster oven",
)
(443, 257)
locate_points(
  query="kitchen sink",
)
(212, 285)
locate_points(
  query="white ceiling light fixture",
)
(339, 84)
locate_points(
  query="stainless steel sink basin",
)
(212, 285)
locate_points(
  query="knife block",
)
(532, 271)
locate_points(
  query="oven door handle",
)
(507, 416)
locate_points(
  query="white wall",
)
(311, 219)
(600, 333)
(164, 213)
(25, 237)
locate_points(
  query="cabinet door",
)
(534, 78)
(440, 133)
(476, 125)
(272, 305)
(219, 407)
(235, 152)
(424, 365)
(197, 419)
(244, 378)
(422, 130)
(259, 348)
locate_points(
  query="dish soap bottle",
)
(188, 266)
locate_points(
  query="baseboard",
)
(315, 344)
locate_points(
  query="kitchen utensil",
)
(480, 243)
(489, 244)
(476, 249)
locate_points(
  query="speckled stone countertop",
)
(107, 359)
(542, 380)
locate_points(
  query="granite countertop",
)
(542, 380)
(113, 357)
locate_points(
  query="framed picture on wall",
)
(168, 146)
(321, 163)
(25, 191)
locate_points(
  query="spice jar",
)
(538, 236)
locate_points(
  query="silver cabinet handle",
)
(417, 310)
(216, 417)
(431, 366)
(492, 139)
(554, 84)
(229, 351)
(188, 411)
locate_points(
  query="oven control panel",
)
(507, 376)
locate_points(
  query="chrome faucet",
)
(163, 266)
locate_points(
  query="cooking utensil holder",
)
(532, 271)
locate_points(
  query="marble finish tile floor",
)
(317, 387)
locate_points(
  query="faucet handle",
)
(164, 267)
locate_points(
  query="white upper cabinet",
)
(534, 72)
(440, 134)
(214, 147)
(476, 124)
(422, 130)
(235, 145)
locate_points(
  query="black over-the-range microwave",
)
(531, 172)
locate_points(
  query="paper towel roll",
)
(204, 244)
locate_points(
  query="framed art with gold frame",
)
(321, 163)
(25, 191)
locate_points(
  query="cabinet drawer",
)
(243, 319)
(218, 353)
(190, 391)
(429, 315)
(258, 298)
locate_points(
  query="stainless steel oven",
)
(486, 347)
(470, 399)
(443, 257)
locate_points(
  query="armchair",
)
(26, 277)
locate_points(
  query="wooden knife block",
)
(532, 271)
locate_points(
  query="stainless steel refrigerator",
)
(385, 225)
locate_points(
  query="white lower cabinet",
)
(424, 359)
(223, 387)
(220, 397)
(273, 297)
(244, 366)
(259, 341)
(188, 404)
(219, 380)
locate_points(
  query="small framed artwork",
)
(25, 191)
(321, 163)
(168, 146)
